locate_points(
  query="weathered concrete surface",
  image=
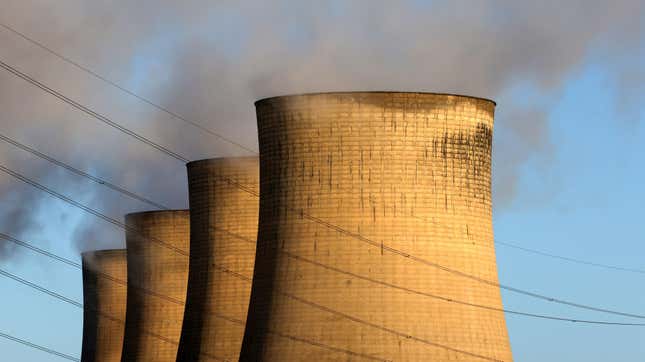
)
(224, 219)
(157, 280)
(104, 303)
(408, 172)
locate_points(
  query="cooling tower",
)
(224, 219)
(157, 278)
(362, 195)
(104, 302)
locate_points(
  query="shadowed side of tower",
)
(104, 303)
(157, 279)
(352, 185)
(224, 217)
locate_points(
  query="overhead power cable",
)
(434, 296)
(81, 173)
(343, 315)
(40, 289)
(155, 204)
(127, 91)
(39, 347)
(323, 266)
(180, 251)
(90, 112)
(549, 255)
(86, 209)
(572, 260)
(232, 320)
(359, 237)
(242, 323)
(340, 230)
(81, 306)
(39, 250)
(184, 159)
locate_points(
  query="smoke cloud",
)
(209, 61)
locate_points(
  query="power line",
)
(161, 242)
(184, 159)
(392, 250)
(163, 207)
(232, 142)
(323, 266)
(340, 230)
(569, 259)
(81, 306)
(39, 250)
(41, 289)
(87, 209)
(359, 237)
(248, 279)
(39, 347)
(129, 92)
(434, 296)
(90, 112)
(82, 173)
(555, 256)
(232, 320)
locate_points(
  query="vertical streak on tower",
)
(157, 279)
(104, 305)
(408, 171)
(224, 220)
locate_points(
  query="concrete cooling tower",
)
(224, 219)
(362, 195)
(157, 279)
(104, 302)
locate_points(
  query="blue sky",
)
(589, 205)
(577, 188)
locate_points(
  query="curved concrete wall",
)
(153, 323)
(408, 171)
(224, 221)
(104, 302)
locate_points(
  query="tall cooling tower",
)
(360, 194)
(104, 302)
(224, 220)
(157, 279)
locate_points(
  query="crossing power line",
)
(235, 274)
(224, 138)
(569, 259)
(116, 85)
(103, 182)
(81, 306)
(342, 231)
(232, 320)
(302, 259)
(127, 91)
(300, 212)
(324, 266)
(39, 347)
(91, 112)
(81, 173)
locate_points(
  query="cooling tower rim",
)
(268, 99)
(157, 212)
(90, 253)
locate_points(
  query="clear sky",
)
(568, 149)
